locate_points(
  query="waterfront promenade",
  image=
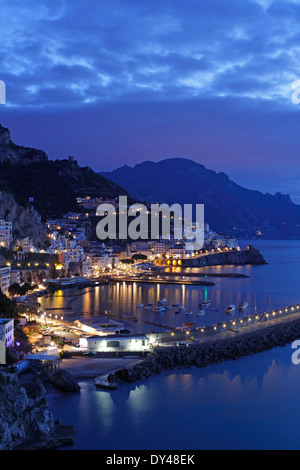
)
(250, 339)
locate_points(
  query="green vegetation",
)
(8, 308)
(17, 289)
(127, 261)
(54, 185)
(139, 257)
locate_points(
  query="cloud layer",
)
(206, 79)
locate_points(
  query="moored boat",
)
(243, 305)
(230, 309)
(158, 309)
(205, 304)
(140, 306)
(201, 312)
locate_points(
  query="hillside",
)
(54, 185)
(229, 207)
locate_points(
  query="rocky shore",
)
(250, 256)
(26, 423)
(204, 354)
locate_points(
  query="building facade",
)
(7, 331)
(5, 273)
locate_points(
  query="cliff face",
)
(53, 185)
(26, 221)
(250, 256)
(9, 151)
(22, 417)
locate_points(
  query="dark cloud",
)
(123, 81)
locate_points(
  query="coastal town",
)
(72, 258)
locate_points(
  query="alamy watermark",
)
(153, 223)
(296, 354)
(2, 92)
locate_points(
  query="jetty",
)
(267, 332)
(160, 280)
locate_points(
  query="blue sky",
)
(120, 82)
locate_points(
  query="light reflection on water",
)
(275, 283)
(252, 403)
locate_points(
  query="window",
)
(113, 344)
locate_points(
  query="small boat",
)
(201, 312)
(189, 312)
(168, 307)
(205, 304)
(175, 304)
(147, 308)
(230, 309)
(178, 311)
(140, 306)
(150, 304)
(243, 305)
(158, 309)
(162, 301)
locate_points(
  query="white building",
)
(160, 248)
(7, 331)
(5, 279)
(5, 233)
(114, 343)
(15, 277)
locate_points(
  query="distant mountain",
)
(229, 207)
(53, 185)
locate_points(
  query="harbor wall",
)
(204, 354)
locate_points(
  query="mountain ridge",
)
(229, 207)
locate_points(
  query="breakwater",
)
(204, 354)
(220, 258)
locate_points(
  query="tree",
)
(139, 257)
(127, 261)
(8, 308)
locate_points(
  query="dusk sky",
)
(116, 82)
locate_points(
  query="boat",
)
(147, 308)
(230, 309)
(168, 307)
(201, 312)
(243, 305)
(175, 304)
(140, 306)
(205, 304)
(189, 312)
(178, 311)
(158, 309)
(162, 301)
(150, 304)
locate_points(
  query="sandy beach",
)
(92, 367)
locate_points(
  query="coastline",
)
(209, 352)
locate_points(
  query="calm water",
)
(276, 283)
(251, 403)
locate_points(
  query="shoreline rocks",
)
(64, 381)
(26, 423)
(250, 256)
